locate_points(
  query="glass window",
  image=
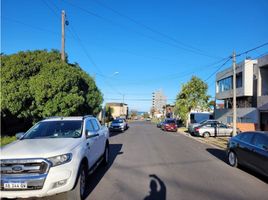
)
(95, 125)
(225, 84)
(260, 141)
(55, 129)
(89, 126)
(222, 125)
(118, 121)
(246, 137)
(239, 80)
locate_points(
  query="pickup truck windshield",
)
(55, 129)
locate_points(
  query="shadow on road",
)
(94, 179)
(156, 193)
(218, 153)
(221, 154)
(115, 133)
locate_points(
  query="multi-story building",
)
(251, 94)
(159, 100)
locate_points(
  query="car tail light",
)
(196, 129)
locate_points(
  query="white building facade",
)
(251, 93)
(159, 100)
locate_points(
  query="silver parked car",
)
(192, 126)
(214, 129)
(118, 124)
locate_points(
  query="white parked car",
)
(54, 156)
(192, 126)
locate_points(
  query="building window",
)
(225, 84)
(239, 80)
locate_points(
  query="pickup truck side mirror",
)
(19, 135)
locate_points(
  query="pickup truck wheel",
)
(79, 192)
(106, 155)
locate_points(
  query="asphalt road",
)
(149, 164)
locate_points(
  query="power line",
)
(259, 56)
(151, 29)
(29, 25)
(77, 38)
(227, 60)
(230, 57)
(137, 32)
(167, 77)
(253, 49)
(118, 99)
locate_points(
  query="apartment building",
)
(159, 100)
(119, 110)
(251, 94)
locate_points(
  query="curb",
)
(219, 143)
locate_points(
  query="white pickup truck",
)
(56, 155)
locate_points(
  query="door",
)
(92, 143)
(260, 153)
(223, 130)
(244, 153)
(99, 138)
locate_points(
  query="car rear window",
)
(246, 137)
(170, 121)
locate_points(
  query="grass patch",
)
(7, 139)
(182, 129)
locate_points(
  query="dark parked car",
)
(169, 125)
(159, 125)
(249, 149)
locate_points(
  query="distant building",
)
(159, 100)
(119, 110)
(251, 94)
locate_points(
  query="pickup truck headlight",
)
(61, 159)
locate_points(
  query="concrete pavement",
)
(147, 163)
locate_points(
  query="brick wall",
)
(247, 126)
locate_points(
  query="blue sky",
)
(153, 44)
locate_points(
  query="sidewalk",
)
(220, 142)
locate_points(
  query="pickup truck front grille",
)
(29, 172)
(24, 166)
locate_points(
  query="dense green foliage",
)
(37, 84)
(193, 95)
(108, 113)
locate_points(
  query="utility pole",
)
(234, 94)
(63, 35)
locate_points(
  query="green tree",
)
(37, 84)
(109, 113)
(193, 95)
(146, 115)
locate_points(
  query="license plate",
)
(15, 185)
